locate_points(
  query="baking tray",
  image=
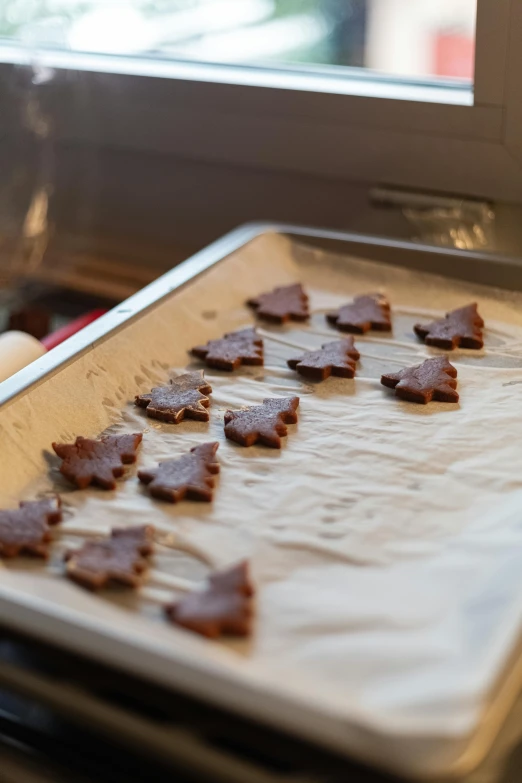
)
(76, 381)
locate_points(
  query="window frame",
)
(428, 137)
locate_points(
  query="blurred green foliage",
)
(15, 15)
(47, 22)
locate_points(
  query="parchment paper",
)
(385, 537)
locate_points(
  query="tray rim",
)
(216, 683)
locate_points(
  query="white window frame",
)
(358, 126)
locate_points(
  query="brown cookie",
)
(120, 558)
(236, 579)
(27, 528)
(98, 462)
(337, 358)
(461, 328)
(224, 607)
(185, 397)
(364, 313)
(190, 477)
(139, 537)
(287, 303)
(232, 350)
(434, 379)
(264, 423)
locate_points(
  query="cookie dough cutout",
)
(191, 477)
(27, 529)
(185, 397)
(234, 349)
(120, 559)
(460, 328)
(283, 304)
(224, 607)
(264, 423)
(434, 379)
(100, 462)
(365, 313)
(336, 358)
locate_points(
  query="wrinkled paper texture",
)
(385, 537)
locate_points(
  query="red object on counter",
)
(62, 334)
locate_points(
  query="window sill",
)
(324, 80)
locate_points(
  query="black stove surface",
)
(44, 739)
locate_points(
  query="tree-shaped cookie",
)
(235, 579)
(190, 477)
(264, 423)
(336, 358)
(27, 528)
(434, 379)
(98, 462)
(224, 607)
(120, 558)
(232, 350)
(185, 397)
(371, 311)
(287, 303)
(461, 328)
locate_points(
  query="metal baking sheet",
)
(345, 597)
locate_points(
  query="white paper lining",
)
(384, 536)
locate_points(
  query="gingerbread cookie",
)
(336, 358)
(224, 607)
(236, 579)
(26, 530)
(461, 328)
(139, 537)
(232, 350)
(364, 313)
(185, 397)
(120, 558)
(98, 462)
(190, 477)
(434, 379)
(264, 423)
(287, 303)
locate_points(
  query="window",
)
(415, 93)
(433, 38)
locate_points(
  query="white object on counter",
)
(17, 350)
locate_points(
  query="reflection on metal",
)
(464, 224)
(35, 234)
(42, 74)
(35, 119)
(35, 222)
